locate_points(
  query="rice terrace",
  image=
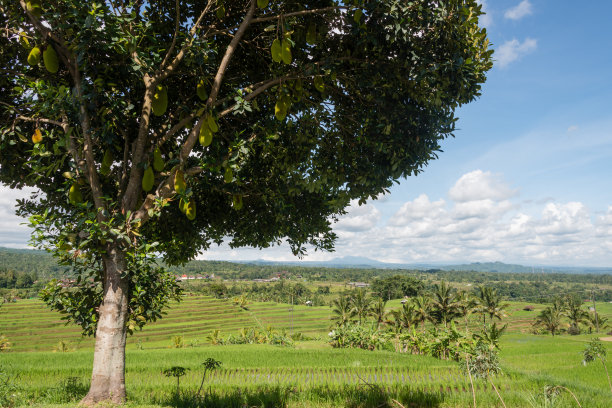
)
(320, 203)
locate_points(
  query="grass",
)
(310, 375)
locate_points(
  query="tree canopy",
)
(160, 128)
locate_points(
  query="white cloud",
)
(513, 50)
(359, 218)
(524, 8)
(479, 185)
(486, 19)
(572, 128)
(12, 231)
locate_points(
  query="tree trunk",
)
(108, 375)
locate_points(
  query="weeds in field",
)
(5, 345)
(177, 372)
(178, 342)
(62, 346)
(8, 388)
(595, 350)
(210, 364)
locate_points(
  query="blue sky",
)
(527, 179)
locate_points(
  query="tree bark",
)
(108, 375)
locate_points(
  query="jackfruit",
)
(148, 179)
(221, 12)
(311, 34)
(212, 124)
(34, 7)
(357, 16)
(280, 109)
(206, 134)
(318, 83)
(37, 136)
(50, 60)
(160, 101)
(107, 160)
(237, 202)
(201, 90)
(179, 182)
(74, 195)
(228, 176)
(262, 4)
(23, 39)
(286, 52)
(34, 56)
(190, 209)
(276, 50)
(158, 161)
(182, 205)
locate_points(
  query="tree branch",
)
(176, 31)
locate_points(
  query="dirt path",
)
(606, 338)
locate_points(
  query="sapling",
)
(595, 350)
(210, 364)
(178, 372)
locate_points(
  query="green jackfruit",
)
(276, 50)
(74, 195)
(179, 182)
(50, 60)
(212, 124)
(228, 176)
(311, 34)
(190, 210)
(262, 4)
(318, 83)
(158, 161)
(221, 12)
(34, 7)
(148, 179)
(23, 39)
(34, 56)
(201, 90)
(182, 205)
(237, 202)
(286, 52)
(280, 109)
(357, 16)
(206, 134)
(160, 101)
(107, 160)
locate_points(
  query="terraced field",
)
(33, 327)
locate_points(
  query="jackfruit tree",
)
(154, 129)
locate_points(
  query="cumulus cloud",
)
(513, 50)
(524, 8)
(487, 18)
(359, 218)
(12, 231)
(478, 185)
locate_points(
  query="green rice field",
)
(311, 374)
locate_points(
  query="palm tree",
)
(550, 318)
(378, 311)
(445, 303)
(575, 313)
(361, 303)
(342, 310)
(490, 303)
(403, 318)
(422, 309)
(467, 305)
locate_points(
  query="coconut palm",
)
(361, 304)
(445, 305)
(403, 318)
(378, 312)
(575, 313)
(550, 319)
(342, 310)
(422, 309)
(468, 305)
(490, 303)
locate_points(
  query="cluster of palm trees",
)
(441, 306)
(568, 313)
